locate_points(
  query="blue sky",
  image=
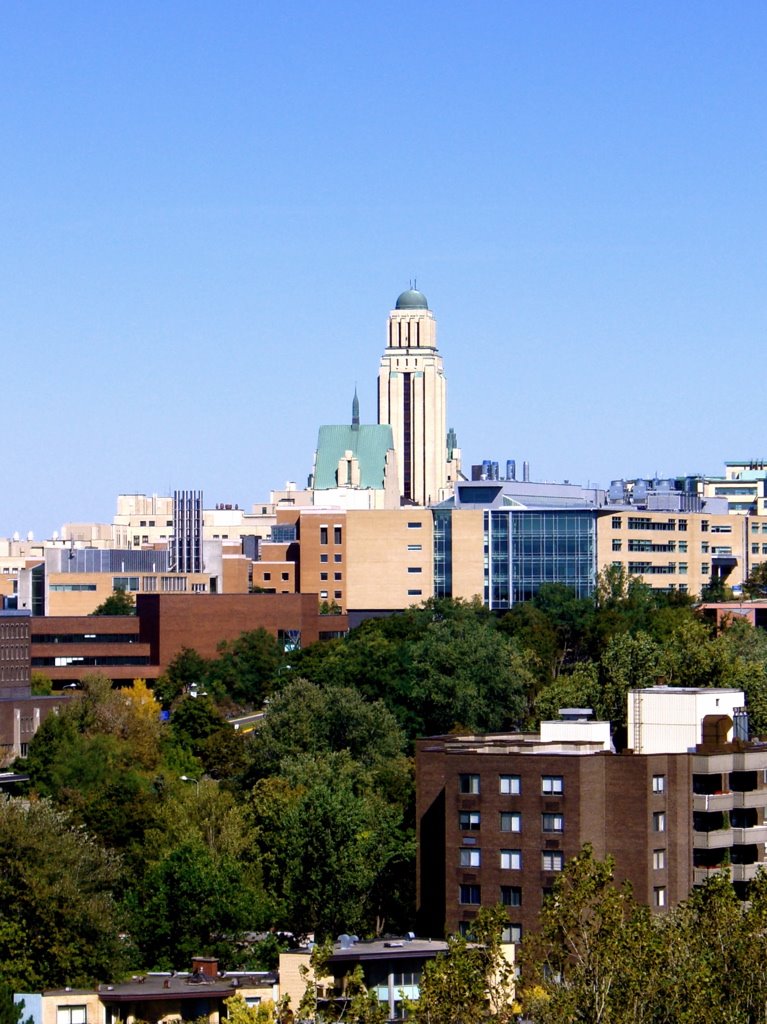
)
(208, 210)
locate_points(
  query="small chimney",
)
(205, 965)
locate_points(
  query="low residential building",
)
(153, 998)
(498, 816)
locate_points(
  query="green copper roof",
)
(412, 299)
(368, 443)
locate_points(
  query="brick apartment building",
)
(498, 816)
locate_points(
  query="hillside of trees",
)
(143, 839)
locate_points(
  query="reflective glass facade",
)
(526, 548)
(443, 553)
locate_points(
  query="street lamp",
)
(188, 778)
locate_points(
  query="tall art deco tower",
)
(412, 399)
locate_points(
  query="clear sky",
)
(208, 209)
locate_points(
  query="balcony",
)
(749, 836)
(751, 798)
(719, 839)
(701, 875)
(744, 872)
(714, 801)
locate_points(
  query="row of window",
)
(511, 785)
(639, 523)
(336, 558)
(336, 534)
(511, 860)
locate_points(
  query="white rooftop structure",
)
(669, 719)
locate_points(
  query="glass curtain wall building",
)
(525, 548)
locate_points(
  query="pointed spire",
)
(355, 410)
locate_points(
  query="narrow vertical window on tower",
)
(407, 437)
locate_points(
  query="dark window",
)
(336, 534)
(470, 894)
(511, 895)
(323, 535)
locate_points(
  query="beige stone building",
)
(412, 400)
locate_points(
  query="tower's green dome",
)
(412, 299)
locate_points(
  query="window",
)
(683, 547)
(683, 568)
(414, 547)
(468, 821)
(336, 534)
(704, 547)
(323, 575)
(616, 522)
(337, 576)
(414, 593)
(470, 894)
(414, 526)
(337, 594)
(470, 858)
(552, 860)
(338, 558)
(323, 594)
(683, 525)
(704, 526)
(511, 821)
(512, 933)
(268, 575)
(553, 822)
(552, 784)
(125, 583)
(511, 895)
(285, 575)
(323, 535)
(659, 896)
(617, 544)
(468, 783)
(323, 558)
(510, 785)
(704, 568)
(71, 1015)
(511, 860)
(658, 860)
(754, 549)
(658, 783)
(659, 821)
(414, 568)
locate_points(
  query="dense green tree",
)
(119, 602)
(194, 902)
(326, 837)
(246, 668)
(303, 718)
(578, 689)
(187, 670)
(59, 922)
(11, 1012)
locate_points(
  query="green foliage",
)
(188, 669)
(41, 684)
(247, 667)
(330, 845)
(194, 902)
(755, 585)
(119, 602)
(59, 922)
(472, 981)
(10, 1011)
